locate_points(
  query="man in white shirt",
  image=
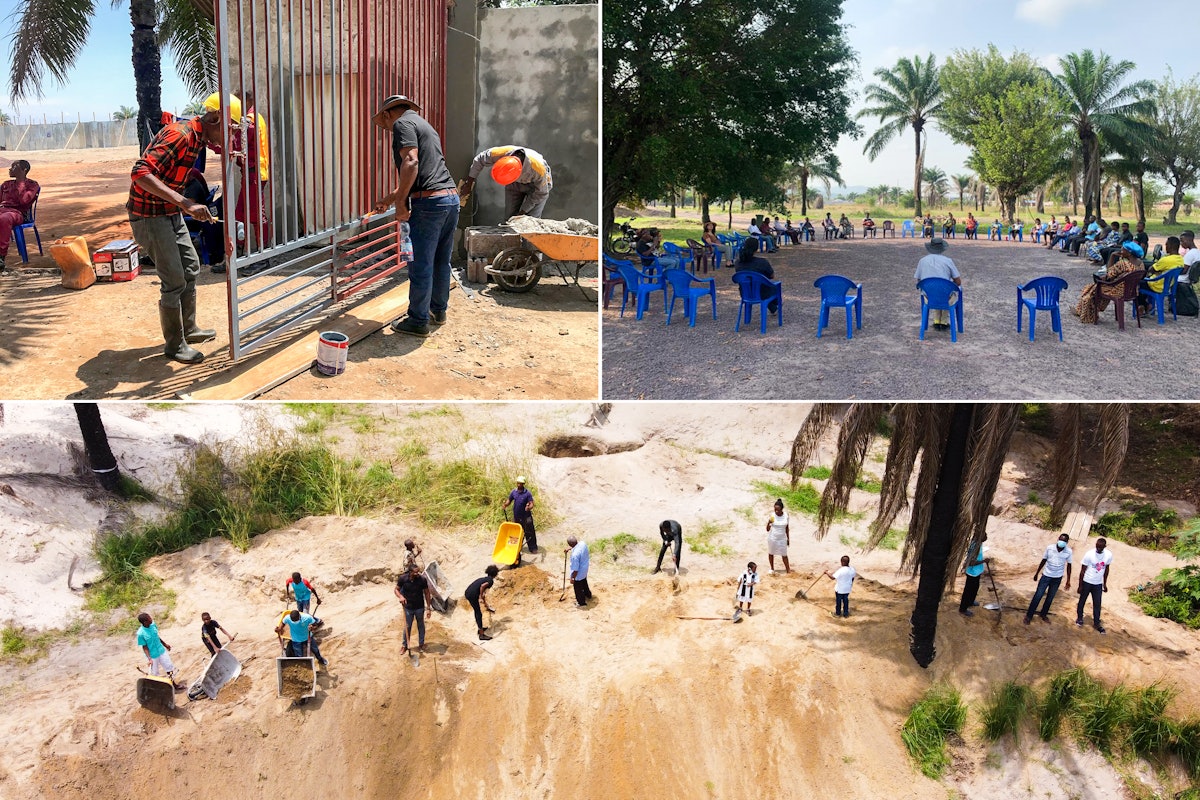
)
(1096, 565)
(1055, 561)
(937, 265)
(843, 582)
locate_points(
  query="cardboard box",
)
(117, 261)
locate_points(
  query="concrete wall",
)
(69, 135)
(539, 86)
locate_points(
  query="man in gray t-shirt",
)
(427, 200)
(937, 265)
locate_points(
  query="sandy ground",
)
(885, 359)
(623, 699)
(105, 343)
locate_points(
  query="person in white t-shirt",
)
(843, 582)
(779, 536)
(1096, 565)
(1055, 561)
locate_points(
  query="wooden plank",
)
(1078, 523)
(254, 377)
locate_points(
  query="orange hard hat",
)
(506, 170)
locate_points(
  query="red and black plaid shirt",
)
(169, 157)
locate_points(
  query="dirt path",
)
(104, 342)
(593, 703)
(885, 359)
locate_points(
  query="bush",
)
(1149, 730)
(1060, 699)
(1141, 525)
(1101, 715)
(804, 498)
(939, 713)
(1008, 705)
(1185, 743)
(1175, 595)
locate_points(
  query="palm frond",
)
(858, 428)
(191, 38)
(1065, 461)
(812, 430)
(1114, 441)
(934, 426)
(40, 46)
(908, 436)
(992, 430)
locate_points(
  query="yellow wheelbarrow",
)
(518, 269)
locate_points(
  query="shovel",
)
(563, 596)
(803, 593)
(996, 606)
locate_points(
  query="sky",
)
(102, 79)
(1152, 36)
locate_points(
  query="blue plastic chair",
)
(906, 229)
(1170, 280)
(1046, 291)
(687, 287)
(19, 232)
(612, 278)
(941, 293)
(751, 286)
(684, 254)
(836, 293)
(641, 285)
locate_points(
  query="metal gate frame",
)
(322, 67)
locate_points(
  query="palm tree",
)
(1099, 105)
(124, 113)
(908, 95)
(824, 168)
(935, 178)
(5, 119)
(961, 449)
(48, 36)
(962, 185)
(95, 442)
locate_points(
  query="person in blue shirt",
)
(158, 652)
(299, 628)
(521, 500)
(974, 569)
(303, 592)
(579, 561)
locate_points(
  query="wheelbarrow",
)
(518, 269)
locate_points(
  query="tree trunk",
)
(803, 194)
(95, 442)
(1091, 172)
(672, 204)
(1041, 200)
(1008, 206)
(704, 218)
(1118, 191)
(1176, 200)
(917, 171)
(729, 226)
(961, 203)
(147, 70)
(935, 556)
(1138, 193)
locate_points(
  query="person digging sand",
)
(158, 652)
(672, 536)
(843, 582)
(476, 594)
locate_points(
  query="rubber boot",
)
(171, 320)
(191, 333)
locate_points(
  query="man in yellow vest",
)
(527, 194)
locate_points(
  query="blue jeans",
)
(841, 604)
(418, 614)
(301, 650)
(1046, 586)
(432, 227)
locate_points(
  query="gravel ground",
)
(885, 360)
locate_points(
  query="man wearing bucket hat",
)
(522, 171)
(938, 265)
(521, 499)
(155, 204)
(427, 200)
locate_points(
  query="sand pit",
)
(621, 699)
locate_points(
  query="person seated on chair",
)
(846, 228)
(995, 230)
(937, 265)
(1108, 248)
(779, 230)
(750, 261)
(1094, 298)
(1187, 304)
(809, 232)
(1110, 237)
(830, 227)
(764, 230)
(1035, 232)
(212, 233)
(948, 226)
(792, 232)
(1154, 276)
(649, 250)
(16, 200)
(868, 226)
(927, 227)
(1141, 238)
(971, 226)
(710, 237)
(1016, 231)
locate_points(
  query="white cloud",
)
(1049, 12)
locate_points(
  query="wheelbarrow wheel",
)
(518, 269)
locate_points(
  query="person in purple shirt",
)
(521, 499)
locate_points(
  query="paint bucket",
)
(332, 349)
